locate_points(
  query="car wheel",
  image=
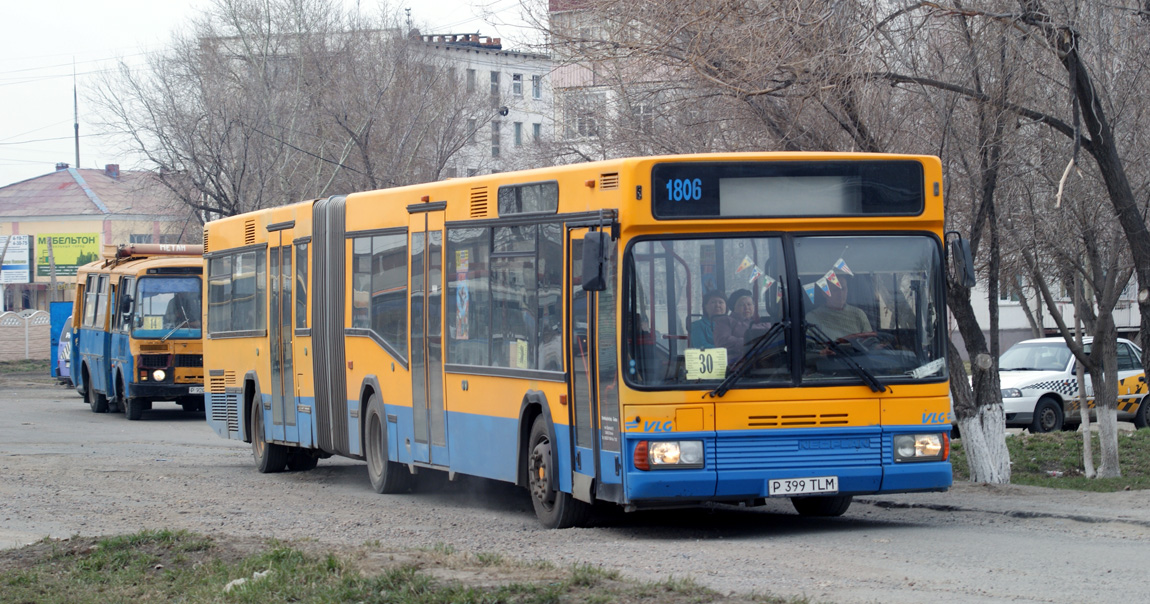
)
(1048, 416)
(1142, 416)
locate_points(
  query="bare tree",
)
(266, 103)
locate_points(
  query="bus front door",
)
(593, 391)
(428, 410)
(284, 428)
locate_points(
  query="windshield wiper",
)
(169, 334)
(867, 377)
(745, 362)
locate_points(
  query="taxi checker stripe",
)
(1064, 387)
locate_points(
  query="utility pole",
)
(76, 112)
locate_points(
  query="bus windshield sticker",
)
(706, 363)
(929, 369)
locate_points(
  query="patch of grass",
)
(1055, 460)
(34, 366)
(486, 559)
(184, 567)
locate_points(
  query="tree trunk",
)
(978, 412)
(1106, 394)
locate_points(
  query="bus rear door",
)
(428, 409)
(280, 276)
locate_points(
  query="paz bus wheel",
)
(98, 402)
(822, 506)
(386, 476)
(133, 408)
(554, 508)
(270, 457)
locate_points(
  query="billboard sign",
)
(69, 250)
(16, 266)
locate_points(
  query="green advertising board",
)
(69, 250)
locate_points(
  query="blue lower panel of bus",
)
(740, 464)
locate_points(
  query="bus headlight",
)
(669, 454)
(159, 375)
(921, 447)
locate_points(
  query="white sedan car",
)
(1040, 388)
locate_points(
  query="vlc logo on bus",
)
(652, 426)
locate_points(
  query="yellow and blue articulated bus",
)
(650, 332)
(136, 335)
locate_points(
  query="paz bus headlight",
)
(159, 375)
(921, 447)
(668, 454)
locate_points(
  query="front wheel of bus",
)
(554, 508)
(825, 507)
(386, 476)
(133, 407)
(270, 457)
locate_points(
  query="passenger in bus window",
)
(732, 332)
(703, 330)
(835, 317)
(183, 311)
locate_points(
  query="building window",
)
(582, 113)
(518, 134)
(495, 138)
(470, 80)
(517, 84)
(472, 126)
(139, 238)
(536, 132)
(644, 114)
(495, 83)
(473, 171)
(536, 87)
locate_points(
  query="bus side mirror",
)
(595, 261)
(125, 305)
(961, 261)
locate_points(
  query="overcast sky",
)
(40, 40)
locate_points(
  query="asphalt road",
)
(65, 471)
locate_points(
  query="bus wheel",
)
(554, 508)
(98, 402)
(822, 506)
(270, 457)
(192, 404)
(301, 460)
(133, 407)
(386, 476)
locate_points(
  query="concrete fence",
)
(25, 335)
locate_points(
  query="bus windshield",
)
(868, 309)
(167, 307)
